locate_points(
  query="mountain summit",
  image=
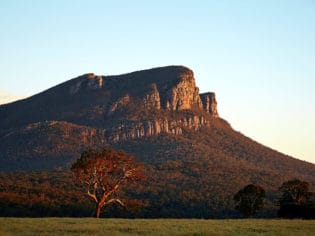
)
(146, 108)
(93, 110)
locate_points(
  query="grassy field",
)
(88, 226)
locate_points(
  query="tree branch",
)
(115, 200)
(108, 193)
(92, 196)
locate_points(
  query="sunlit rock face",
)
(175, 90)
(184, 94)
(148, 102)
(209, 103)
(171, 88)
(92, 110)
(151, 99)
(166, 90)
(153, 127)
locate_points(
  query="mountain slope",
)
(95, 110)
(195, 161)
(193, 157)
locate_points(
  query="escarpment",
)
(105, 110)
(148, 128)
(144, 103)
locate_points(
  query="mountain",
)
(195, 160)
(91, 110)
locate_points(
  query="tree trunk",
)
(98, 210)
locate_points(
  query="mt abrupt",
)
(195, 160)
(51, 128)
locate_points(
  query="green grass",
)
(89, 226)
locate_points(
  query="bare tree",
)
(103, 172)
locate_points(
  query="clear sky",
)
(257, 55)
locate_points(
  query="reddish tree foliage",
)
(103, 172)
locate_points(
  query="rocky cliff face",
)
(171, 88)
(109, 109)
(184, 94)
(152, 98)
(153, 127)
(209, 103)
(168, 90)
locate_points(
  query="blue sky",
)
(258, 56)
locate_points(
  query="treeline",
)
(296, 201)
(166, 193)
(37, 194)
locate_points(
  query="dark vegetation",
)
(249, 200)
(37, 194)
(296, 200)
(193, 175)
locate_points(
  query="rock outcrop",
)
(152, 99)
(88, 81)
(171, 88)
(118, 104)
(209, 103)
(175, 90)
(148, 128)
(184, 94)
